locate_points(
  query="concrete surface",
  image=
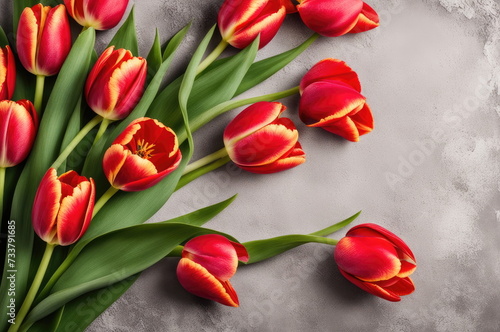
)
(428, 172)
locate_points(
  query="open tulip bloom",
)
(112, 242)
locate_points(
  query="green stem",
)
(78, 138)
(42, 268)
(205, 160)
(102, 128)
(2, 186)
(84, 29)
(40, 82)
(104, 198)
(176, 252)
(212, 56)
(232, 104)
(185, 179)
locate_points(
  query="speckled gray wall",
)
(429, 172)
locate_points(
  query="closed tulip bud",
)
(207, 264)
(7, 73)
(259, 141)
(331, 99)
(116, 83)
(18, 127)
(377, 261)
(63, 207)
(334, 18)
(43, 39)
(241, 21)
(97, 14)
(141, 156)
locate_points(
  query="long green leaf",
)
(154, 57)
(62, 101)
(126, 36)
(113, 257)
(3, 38)
(263, 249)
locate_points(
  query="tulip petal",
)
(198, 281)
(363, 120)
(330, 18)
(404, 286)
(368, 19)
(55, 42)
(369, 259)
(234, 14)
(266, 145)
(331, 70)
(113, 160)
(7, 73)
(75, 213)
(345, 128)
(252, 119)
(372, 288)
(241, 251)
(128, 81)
(27, 39)
(46, 207)
(290, 160)
(290, 7)
(134, 169)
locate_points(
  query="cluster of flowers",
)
(257, 140)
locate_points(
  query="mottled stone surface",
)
(429, 172)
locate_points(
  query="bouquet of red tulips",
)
(92, 145)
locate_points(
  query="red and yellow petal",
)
(294, 158)
(198, 281)
(75, 213)
(329, 18)
(233, 14)
(368, 259)
(129, 81)
(252, 119)
(331, 70)
(372, 288)
(7, 73)
(46, 207)
(345, 128)
(266, 145)
(113, 160)
(27, 39)
(368, 19)
(133, 169)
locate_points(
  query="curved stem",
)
(102, 128)
(78, 138)
(212, 56)
(42, 268)
(205, 160)
(187, 178)
(104, 198)
(40, 82)
(232, 104)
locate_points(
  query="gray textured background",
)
(429, 172)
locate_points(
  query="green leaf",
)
(154, 58)
(175, 41)
(126, 36)
(263, 249)
(65, 95)
(113, 257)
(3, 38)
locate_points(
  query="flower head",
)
(18, 127)
(98, 14)
(207, 264)
(63, 207)
(259, 141)
(43, 39)
(7, 73)
(377, 261)
(141, 156)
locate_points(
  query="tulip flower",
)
(331, 99)
(241, 21)
(43, 39)
(63, 207)
(141, 156)
(259, 141)
(98, 14)
(207, 264)
(334, 18)
(7, 73)
(18, 127)
(116, 83)
(377, 261)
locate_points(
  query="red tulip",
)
(43, 39)
(241, 21)
(259, 141)
(7, 73)
(63, 207)
(18, 127)
(334, 18)
(98, 14)
(377, 261)
(331, 99)
(115, 83)
(142, 155)
(207, 264)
